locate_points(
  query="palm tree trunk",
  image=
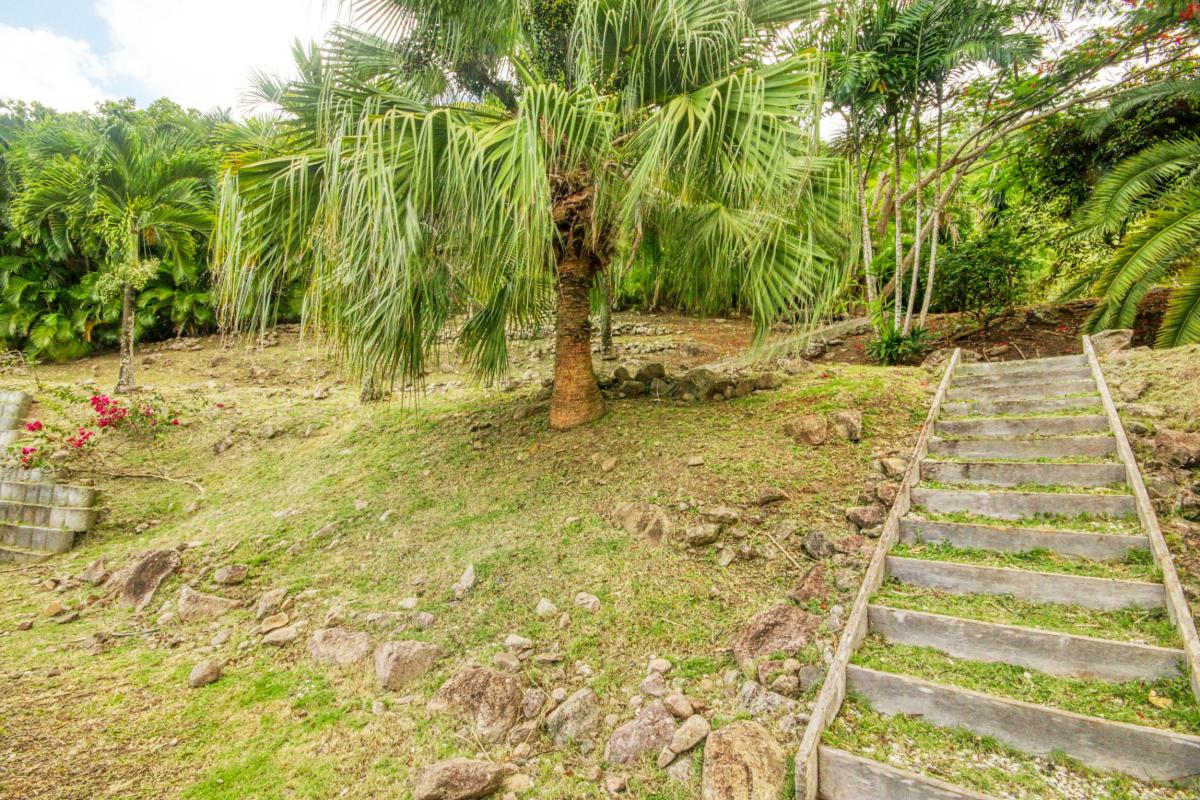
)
(916, 269)
(125, 381)
(898, 221)
(937, 216)
(576, 399)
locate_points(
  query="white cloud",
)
(54, 70)
(202, 54)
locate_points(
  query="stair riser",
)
(14, 398)
(17, 475)
(1018, 426)
(849, 777)
(46, 540)
(1000, 380)
(1017, 474)
(12, 421)
(1019, 505)
(1096, 546)
(1032, 365)
(47, 494)
(72, 519)
(8, 437)
(20, 557)
(1045, 651)
(1048, 407)
(1085, 447)
(1021, 391)
(1145, 753)
(1101, 594)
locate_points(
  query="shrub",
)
(983, 275)
(892, 346)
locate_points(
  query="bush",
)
(983, 275)
(894, 347)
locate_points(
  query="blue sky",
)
(70, 54)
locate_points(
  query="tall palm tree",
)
(495, 161)
(128, 193)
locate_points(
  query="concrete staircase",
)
(38, 516)
(1021, 463)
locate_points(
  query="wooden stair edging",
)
(1051, 652)
(833, 691)
(974, 536)
(851, 777)
(1153, 754)
(1176, 602)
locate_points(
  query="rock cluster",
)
(700, 384)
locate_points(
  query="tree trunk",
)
(576, 399)
(937, 216)
(606, 343)
(898, 220)
(867, 246)
(370, 391)
(125, 381)
(912, 290)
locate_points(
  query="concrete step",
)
(1010, 427)
(1022, 390)
(42, 516)
(15, 555)
(1096, 546)
(1103, 594)
(47, 494)
(1047, 407)
(845, 776)
(986, 381)
(1019, 505)
(18, 475)
(1066, 447)
(29, 537)
(8, 437)
(1145, 753)
(1046, 651)
(11, 421)
(1033, 364)
(1017, 473)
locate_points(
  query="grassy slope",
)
(123, 723)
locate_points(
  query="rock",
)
(465, 583)
(767, 381)
(423, 619)
(680, 771)
(616, 784)
(338, 646)
(886, 492)
(575, 719)
(506, 661)
(782, 628)
(818, 546)
(532, 704)
(769, 495)
(759, 701)
(660, 665)
(269, 603)
(621, 374)
(24, 624)
(221, 637)
(651, 372)
(459, 779)
(695, 461)
(281, 636)
(743, 762)
(231, 574)
(700, 383)
(679, 706)
(515, 643)
(786, 685)
(645, 520)
(609, 464)
(588, 602)
(848, 424)
(1132, 390)
(143, 581)
(1111, 341)
(703, 534)
(193, 605)
(691, 733)
(491, 699)
(631, 389)
(654, 685)
(810, 676)
(649, 733)
(273, 622)
(722, 515)
(810, 429)
(204, 673)
(865, 517)
(1178, 448)
(812, 584)
(894, 467)
(402, 662)
(545, 608)
(95, 573)
(726, 556)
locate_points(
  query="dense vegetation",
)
(453, 164)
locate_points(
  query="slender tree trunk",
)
(937, 216)
(868, 253)
(916, 268)
(606, 342)
(370, 391)
(125, 381)
(898, 221)
(576, 399)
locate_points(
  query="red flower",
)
(175, 421)
(33, 427)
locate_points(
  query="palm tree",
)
(128, 193)
(494, 161)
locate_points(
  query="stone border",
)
(1177, 606)
(833, 691)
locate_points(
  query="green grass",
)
(1042, 488)
(977, 762)
(1109, 459)
(1149, 626)
(1085, 523)
(1139, 564)
(1098, 410)
(1120, 702)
